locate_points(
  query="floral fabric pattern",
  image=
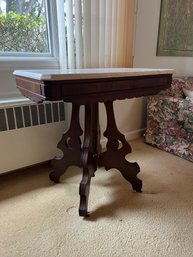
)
(170, 120)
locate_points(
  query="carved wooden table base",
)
(89, 156)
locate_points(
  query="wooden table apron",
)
(89, 92)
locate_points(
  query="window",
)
(28, 34)
(23, 27)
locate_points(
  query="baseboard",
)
(128, 136)
(134, 134)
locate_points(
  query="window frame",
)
(11, 61)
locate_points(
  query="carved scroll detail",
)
(114, 157)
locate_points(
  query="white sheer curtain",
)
(95, 33)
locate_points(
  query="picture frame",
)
(175, 35)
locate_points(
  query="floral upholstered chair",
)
(170, 119)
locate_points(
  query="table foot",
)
(70, 144)
(117, 149)
(55, 177)
(116, 159)
(129, 172)
(84, 194)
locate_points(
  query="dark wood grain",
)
(93, 90)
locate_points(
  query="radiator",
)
(31, 115)
(29, 134)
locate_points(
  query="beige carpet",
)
(38, 218)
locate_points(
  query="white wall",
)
(7, 85)
(146, 42)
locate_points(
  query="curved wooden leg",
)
(88, 158)
(114, 157)
(70, 144)
(95, 145)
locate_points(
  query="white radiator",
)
(29, 134)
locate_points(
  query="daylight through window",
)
(23, 27)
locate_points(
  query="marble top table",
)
(89, 73)
(88, 87)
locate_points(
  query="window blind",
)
(96, 33)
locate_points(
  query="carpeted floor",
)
(39, 218)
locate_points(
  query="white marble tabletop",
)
(69, 74)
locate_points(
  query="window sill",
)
(10, 63)
(14, 101)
